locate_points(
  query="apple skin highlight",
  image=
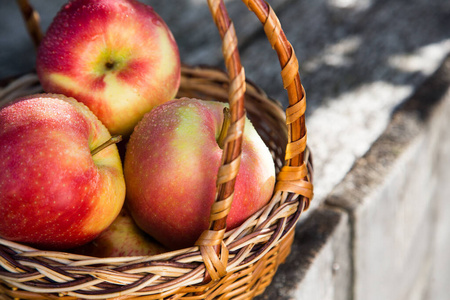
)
(54, 194)
(171, 167)
(116, 56)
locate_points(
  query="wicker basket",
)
(237, 264)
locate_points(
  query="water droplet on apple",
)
(95, 37)
(156, 22)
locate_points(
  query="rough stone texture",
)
(396, 195)
(439, 288)
(319, 266)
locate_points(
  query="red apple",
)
(54, 193)
(122, 238)
(171, 167)
(116, 56)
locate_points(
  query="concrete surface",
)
(396, 196)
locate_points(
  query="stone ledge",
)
(319, 265)
(393, 195)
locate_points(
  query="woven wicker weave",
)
(236, 264)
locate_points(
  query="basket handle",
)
(293, 178)
(32, 20)
(210, 242)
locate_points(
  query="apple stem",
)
(225, 126)
(113, 140)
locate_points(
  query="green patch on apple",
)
(171, 168)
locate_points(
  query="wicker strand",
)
(285, 52)
(272, 27)
(210, 241)
(295, 113)
(25, 85)
(221, 209)
(32, 20)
